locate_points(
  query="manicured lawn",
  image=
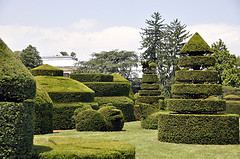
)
(148, 148)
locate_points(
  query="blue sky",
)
(87, 26)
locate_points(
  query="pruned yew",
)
(196, 61)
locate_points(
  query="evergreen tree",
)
(30, 57)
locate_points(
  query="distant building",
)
(66, 63)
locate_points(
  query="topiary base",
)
(218, 129)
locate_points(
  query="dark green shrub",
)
(103, 89)
(125, 104)
(63, 113)
(233, 107)
(114, 117)
(149, 92)
(149, 78)
(16, 82)
(232, 97)
(46, 70)
(90, 120)
(199, 61)
(148, 109)
(149, 99)
(43, 116)
(197, 89)
(153, 86)
(195, 105)
(137, 112)
(198, 129)
(196, 76)
(151, 122)
(65, 90)
(92, 77)
(16, 129)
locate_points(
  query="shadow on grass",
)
(37, 149)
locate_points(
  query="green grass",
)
(147, 148)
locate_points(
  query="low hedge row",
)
(125, 104)
(16, 129)
(195, 105)
(151, 122)
(68, 97)
(149, 99)
(103, 89)
(149, 78)
(232, 97)
(195, 89)
(192, 61)
(198, 129)
(149, 92)
(62, 114)
(43, 116)
(92, 77)
(196, 76)
(146, 86)
(46, 70)
(233, 107)
(82, 148)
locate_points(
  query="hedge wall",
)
(153, 86)
(43, 112)
(63, 113)
(92, 77)
(46, 70)
(65, 90)
(232, 97)
(195, 89)
(149, 92)
(196, 76)
(195, 105)
(192, 61)
(16, 129)
(16, 82)
(103, 89)
(149, 78)
(149, 99)
(233, 107)
(125, 104)
(151, 122)
(198, 129)
(82, 148)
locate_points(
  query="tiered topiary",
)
(17, 89)
(196, 117)
(232, 104)
(46, 70)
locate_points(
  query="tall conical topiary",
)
(17, 89)
(196, 116)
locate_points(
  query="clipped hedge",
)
(233, 107)
(217, 129)
(92, 77)
(153, 86)
(103, 89)
(65, 90)
(90, 120)
(43, 116)
(16, 129)
(196, 76)
(149, 92)
(16, 82)
(232, 97)
(149, 99)
(114, 117)
(82, 148)
(195, 105)
(63, 113)
(200, 61)
(125, 104)
(151, 122)
(46, 70)
(197, 89)
(149, 78)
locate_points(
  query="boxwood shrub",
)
(195, 105)
(232, 97)
(46, 70)
(146, 86)
(149, 92)
(200, 61)
(114, 117)
(233, 107)
(149, 78)
(217, 129)
(43, 115)
(63, 113)
(196, 76)
(151, 122)
(16, 129)
(149, 99)
(125, 104)
(92, 77)
(103, 89)
(16, 82)
(197, 89)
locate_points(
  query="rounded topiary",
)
(43, 116)
(113, 116)
(47, 70)
(90, 120)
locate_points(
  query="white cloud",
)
(211, 33)
(81, 37)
